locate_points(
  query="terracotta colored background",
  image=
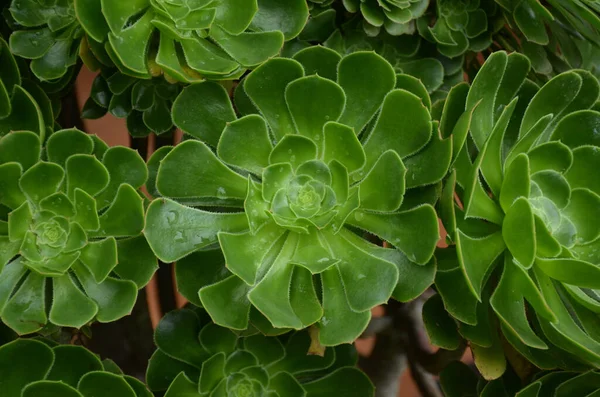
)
(114, 132)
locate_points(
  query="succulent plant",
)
(396, 17)
(461, 25)
(312, 161)
(19, 96)
(198, 358)
(190, 40)
(146, 104)
(70, 227)
(556, 36)
(408, 54)
(48, 34)
(525, 240)
(458, 380)
(35, 368)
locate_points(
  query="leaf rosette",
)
(189, 40)
(526, 240)
(461, 25)
(70, 228)
(198, 358)
(396, 17)
(48, 34)
(555, 36)
(33, 368)
(313, 163)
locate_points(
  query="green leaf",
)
(124, 165)
(115, 298)
(46, 388)
(190, 280)
(585, 158)
(191, 170)
(248, 48)
(319, 60)
(571, 271)
(508, 301)
(19, 222)
(10, 192)
(70, 306)
(483, 91)
(516, 182)
(552, 98)
(227, 302)
(406, 135)
(452, 285)
(235, 15)
(205, 123)
(25, 312)
(584, 122)
(65, 143)
(21, 147)
(124, 217)
(288, 17)
(364, 96)
(174, 231)
(421, 171)
(414, 232)
(182, 386)
(341, 144)
(41, 180)
(582, 210)
(94, 383)
(23, 103)
(177, 336)
(313, 101)
(245, 143)
(441, 328)
(17, 356)
(71, 363)
(387, 171)
(266, 88)
(136, 261)
(518, 230)
(243, 256)
(339, 324)
(477, 256)
(345, 381)
(293, 149)
(359, 270)
(86, 213)
(86, 173)
(100, 257)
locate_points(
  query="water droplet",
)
(172, 217)
(179, 237)
(327, 117)
(221, 193)
(359, 216)
(292, 158)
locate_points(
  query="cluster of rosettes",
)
(198, 358)
(34, 368)
(461, 25)
(189, 40)
(70, 211)
(396, 17)
(525, 232)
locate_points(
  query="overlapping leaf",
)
(33, 368)
(196, 358)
